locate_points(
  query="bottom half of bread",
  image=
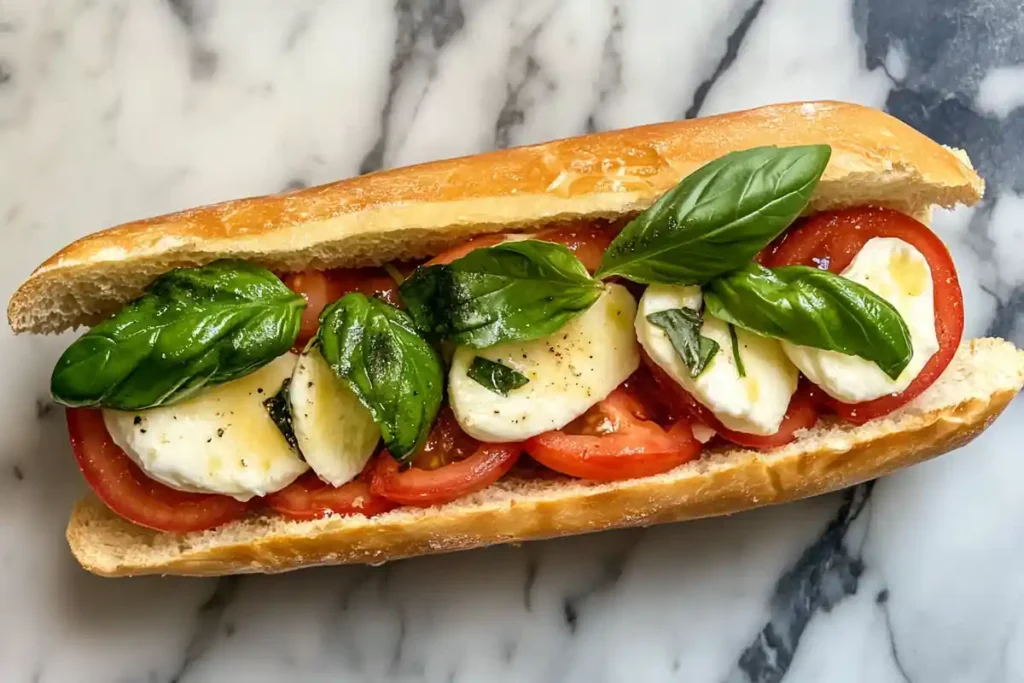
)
(983, 378)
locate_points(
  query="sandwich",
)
(640, 326)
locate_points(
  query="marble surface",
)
(111, 110)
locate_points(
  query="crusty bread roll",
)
(417, 212)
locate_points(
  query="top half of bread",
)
(420, 210)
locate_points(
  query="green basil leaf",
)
(740, 370)
(814, 308)
(683, 328)
(374, 349)
(509, 292)
(279, 408)
(718, 217)
(193, 328)
(499, 378)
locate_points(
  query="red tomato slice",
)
(322, 287)
(446, 444)
(615, 440)
(585, 239)
(458, 252)
(126, 490)
(415, 486)
(309, 497)
(801, 414)
(831, 240)
(451, 464)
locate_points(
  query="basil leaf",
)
(718, 217)
(813, 307)
(683, 328)
(740, 370)
(193, 328)
(375, 350)
(499, 378)
(509, 292)
(279, 409)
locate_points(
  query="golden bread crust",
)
(420, 210)
(831, 456)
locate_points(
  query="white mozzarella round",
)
(568, 372)
(335, 432)
(899, 273)
(754, 404)
(222, 441)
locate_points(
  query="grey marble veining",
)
(111, 110)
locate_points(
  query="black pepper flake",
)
(309, 385)
(209, 440)
(220, 432)
(259, 390)
(138, 419)
(143, 431)
(243, 462)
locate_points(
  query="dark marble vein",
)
(202, 59)
(513, 109)
(612, 566)
(184, 11)
(44, 408)
(609, 78)
(826, 573)
(732, 48)
(883, 603)
(945, 65)
(208, 625)
(6, 72)
(424, 29)
(528, 583)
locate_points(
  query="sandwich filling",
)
(594, 349)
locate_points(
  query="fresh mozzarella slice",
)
(568, 372)
(222, 441)
(754, 404)
(899, 273)
(335, 432)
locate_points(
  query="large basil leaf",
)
(813, 307)
(193, 328)
(374, 348)
(511, 291)
(718, 217)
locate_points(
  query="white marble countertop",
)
(111, 110)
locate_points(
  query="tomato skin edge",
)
(812, 242)
(128, 492)
(424, 488)
(309, 498)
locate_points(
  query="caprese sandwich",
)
(654, 324)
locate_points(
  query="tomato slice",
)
(126, 490)
(615, 440)
(461, 250)
(322, 287)
(587, 240)
(446, 444)
(801, 414)
(831, 240)
(423, 488)
(450, 465)
(309, 497)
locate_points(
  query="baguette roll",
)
(417, 212)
